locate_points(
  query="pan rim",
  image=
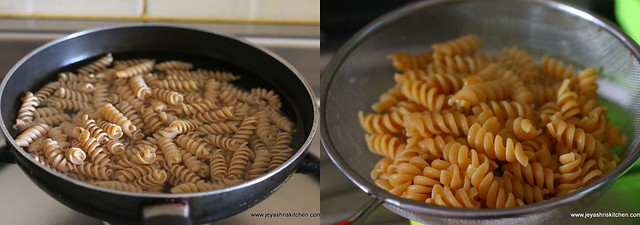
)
(298, 154)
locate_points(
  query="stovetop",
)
(22, 202)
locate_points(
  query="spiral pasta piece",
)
(269, 96)
(246, 129)
(26, 111)
(144, 154)
(260, 164)
(151, 120)
(57, 134)
(177, 127)
(382, 123)
(504, 110)
(113, 115)
(225, 128)
(454, 64)
(221, 114)
(194, 164)
(53, 120)
(524, 129)
(567, 101)
(100, 96)
(170, 150)
(491, 72)
(533, 174)
(195, 145)
(218, 165)
(84, 87)
(282, 122)
(45, 92)
(223, 142)
(54, 155)
(153, 179)
(94, 130)
(465, 45)
(282, 141)
(239, 162)
(405, 61)
(191, 109)
(444, 196)
(141, 68)
(434, 147)
(555, 69)
(472, 95)
(419, 92)
(586, 82)
(427, 124)
(183, 174)
(569, 172)
(75, 155)
(523, 192)
(112, 130)
(32, 133)
(573, 137)
(446, 84)
(590, 172)
(72, 95)
(201, 74)
(133, 173)
(212, 89)
(46, 112)
(495, 147)
(98, 65)
(115, 147)
(91, 146)
(167, 96)
(520, 93)
(461, 155)
(140, 88)
(68, 104)
(518, 60)
(92, 170)
(279, 156)
(173, 65)
(176, 85)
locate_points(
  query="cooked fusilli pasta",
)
(134, 125)
(465, 129)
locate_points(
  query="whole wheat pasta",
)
(134, 125)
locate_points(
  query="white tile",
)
(243, 10)
(288, 10)
(88, 8)
(199, 9)
(15, 7)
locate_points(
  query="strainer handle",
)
(361, 216)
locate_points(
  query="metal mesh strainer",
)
(360, 71)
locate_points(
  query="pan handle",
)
(5, 155)
(166, 214)
(310, 165)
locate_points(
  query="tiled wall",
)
(269, 11)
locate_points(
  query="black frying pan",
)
(257, 67)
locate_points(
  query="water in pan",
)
(247, 81)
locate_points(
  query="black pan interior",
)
(253, 69)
